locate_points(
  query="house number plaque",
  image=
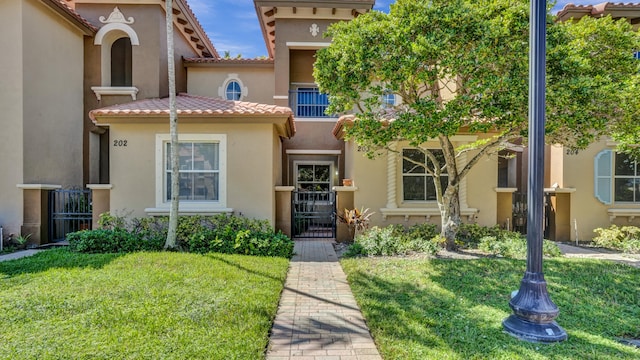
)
(119, 143)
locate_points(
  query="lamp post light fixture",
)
(533, 311)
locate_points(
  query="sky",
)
(232, 25)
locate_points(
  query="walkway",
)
(318, 318)
(600, 254)
(19, 254)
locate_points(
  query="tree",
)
(170, 243)
(461, 67)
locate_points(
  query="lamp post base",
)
(534, 332)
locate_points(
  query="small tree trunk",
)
(170, 243)
(450, 214)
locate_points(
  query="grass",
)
(453, 309)
(63, 305)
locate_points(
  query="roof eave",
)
(75, 19)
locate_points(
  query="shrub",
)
(469, 235)
(200, 234)
(514, 245)
(394, 240)
(112, 241)
(626, 238)
(423, 231)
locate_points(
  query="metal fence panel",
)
(313, 214)
(70, 210)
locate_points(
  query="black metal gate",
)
(520, 213)
(69, 211)
(313, 214)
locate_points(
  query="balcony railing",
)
(308, 103)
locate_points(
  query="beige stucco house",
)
(254, 138)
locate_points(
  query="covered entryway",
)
(313, 203)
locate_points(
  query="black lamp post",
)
(533, 311)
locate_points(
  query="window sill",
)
(629, 213)
(470, 213)
(115, 90)
(164, 211)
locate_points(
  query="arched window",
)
(121, 56)
(233, 90)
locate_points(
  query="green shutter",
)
(603, 174)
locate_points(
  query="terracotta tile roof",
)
(196, 106)
(62, 7)
(240, 61)
(597, 9)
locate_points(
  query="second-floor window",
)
(233, 91)
(388, 99)
(121, 62)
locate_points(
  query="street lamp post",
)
(533, 311)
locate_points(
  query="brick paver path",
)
(318, 318)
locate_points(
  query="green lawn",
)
(63, 305)
(453, 309)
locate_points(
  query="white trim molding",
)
(427, 213)
(313, 152)
(38, 186)
(301, 45)
(115, 90)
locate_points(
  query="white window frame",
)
(297, 163)
(162, 202)
(428, 177)
(615, 177)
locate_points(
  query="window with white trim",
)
(232, 88)
(626, 184)
(417, 182)
(617, 178)
(202, 160)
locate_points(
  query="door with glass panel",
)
(313, 200)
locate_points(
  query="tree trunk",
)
(450, 214)
(170, 243)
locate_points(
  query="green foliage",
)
(199, 234)
(419, 48)
(469, 235)
(128, 306)
(514, 245)
(395, 240)
(626, 238)
(112, 241)
(453, 309)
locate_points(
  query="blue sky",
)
(232, 25)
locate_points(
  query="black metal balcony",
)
(308, 103)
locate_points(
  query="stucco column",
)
(35, 217)
(504, 207)
(283, 209)
(560, 219)
(344, 200)
(100, 201)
